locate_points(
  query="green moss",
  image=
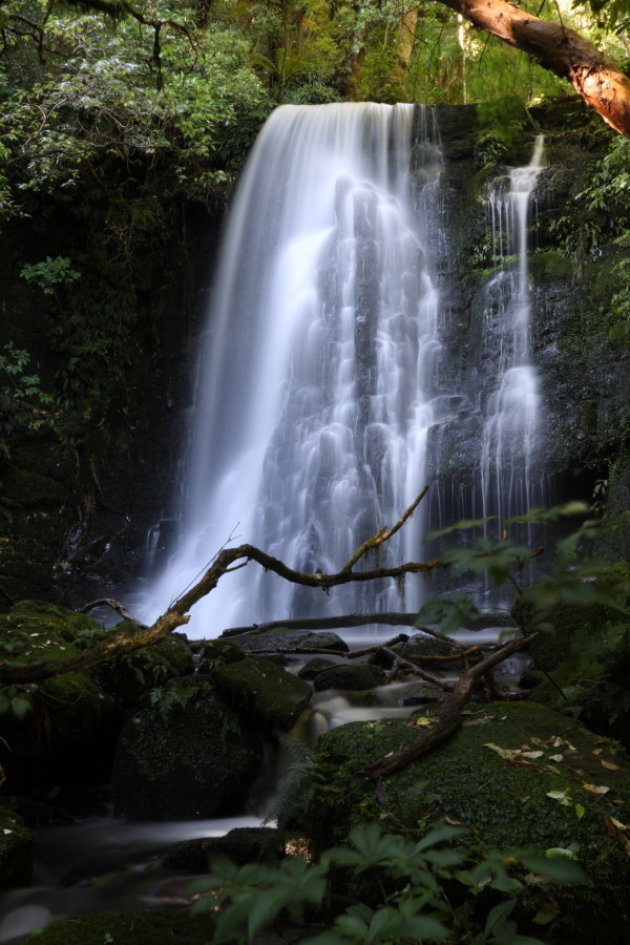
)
(515, 776)
(159, 927)
(266, 692)
(216, 652)
(550, 266)
(133, 674)
(505, 802)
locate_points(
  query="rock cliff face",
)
(77, 503)
(582, 365)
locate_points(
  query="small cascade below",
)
(510, 482)
(316, 375)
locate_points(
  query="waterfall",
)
(509, 439)
(316, 371)
(322, 399)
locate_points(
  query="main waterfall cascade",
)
(318, 391)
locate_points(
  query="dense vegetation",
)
(132, 109)
(123, 127)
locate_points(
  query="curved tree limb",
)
(385, 533)
(559, 49)
(449, 718)
(226, 560)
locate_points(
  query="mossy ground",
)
(517, 775)
(123, 928)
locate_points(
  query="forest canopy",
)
(192, 80)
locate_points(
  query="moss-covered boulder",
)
(186, 755)
(516, 775)
(430, 653)
(16, 847)
(355, 678)
(266, 693)
(138, 927)
(63, 729)
(313, 667)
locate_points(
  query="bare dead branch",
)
(175, 616)
(449, 718)
(384, 534)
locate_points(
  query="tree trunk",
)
(561, 50)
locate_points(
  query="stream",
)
(103, 863)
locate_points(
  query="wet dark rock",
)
(263, 691)
(315, 666)
(242, 845)
(421, 649)
(421, 695)
(350, 677)
(186, 757)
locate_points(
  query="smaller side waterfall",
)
(508, 447)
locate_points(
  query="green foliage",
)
(16, 700)
(409, 879)
(50, 272)
(576, 577)
(174, 696)
(24, 404)
(448, 614)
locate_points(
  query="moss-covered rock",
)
(266, 693)
(354, 678)
(430, 653)
(62, 729)
(139, 927)
(313, 667)
(516, 775)
(16, 847)
(188, 755)
(214, 652)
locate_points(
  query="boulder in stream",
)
(189, 755)
(266, 693)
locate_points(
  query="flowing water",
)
(318, 390)
(512, 414)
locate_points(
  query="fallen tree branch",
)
(418, 671)
(449, 718)
(176, 615)
(391, 618)
(114, 605)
